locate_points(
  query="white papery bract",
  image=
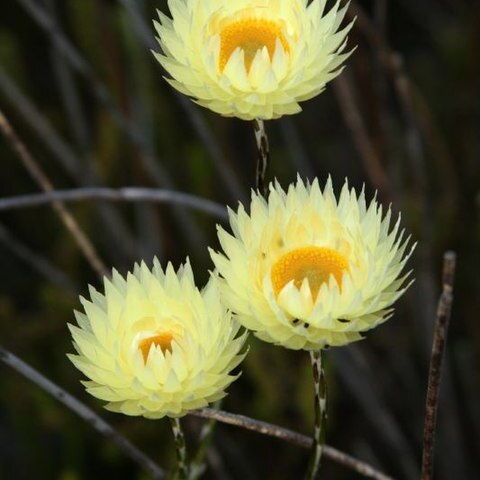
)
(251, 58)
(306, 271)
(154, 345)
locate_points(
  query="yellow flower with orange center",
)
(154, 345)
(250, 35)
(305, 271)
(251, 58)
(314, 264)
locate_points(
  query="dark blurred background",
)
(81, 88)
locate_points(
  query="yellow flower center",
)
(313, 263)
(161, 339)
(250, 35)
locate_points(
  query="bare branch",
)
(436, 363)
(292, 437)
(83, 412)
(131, 130)
(42, 180)
(145, 462)
(66, 157)
(133, 133)
(129, 194)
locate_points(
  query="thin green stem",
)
(197, 466)
(263, 155)
(180, 446)
(320, 403)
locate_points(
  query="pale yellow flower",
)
(154, 345)
(251, 58)
(305, 271)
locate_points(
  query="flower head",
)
(154, 345)
(305, 271)
(251, 58)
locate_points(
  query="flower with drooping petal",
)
(304, 270)
(251, 58)
(154, 345)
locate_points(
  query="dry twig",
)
(133, 133)
(436, 363)
(64, 154)
(292, 437)
(128, 194)
(42, 180)
(83, 412)
(157, 473)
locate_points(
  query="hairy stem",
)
(182, 462)
(84, 412)
(263, 155)
(320, 402)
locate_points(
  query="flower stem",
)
(182, 462)
(320, 403)
(263, 155)
(197, 465)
